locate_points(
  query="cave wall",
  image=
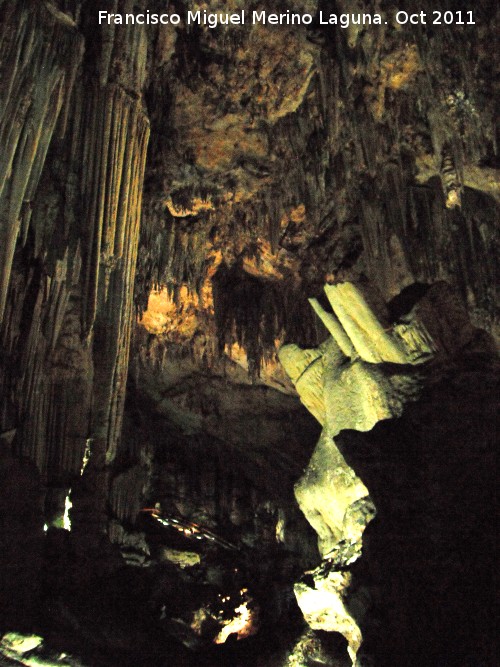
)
(209, 446)
(77, 137)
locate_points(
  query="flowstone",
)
(363, 373)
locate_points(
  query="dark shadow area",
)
(429, 555)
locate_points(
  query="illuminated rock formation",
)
(345, 385)
(362, 374)
(68, 304)
(38, 68)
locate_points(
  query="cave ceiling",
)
(286, 157)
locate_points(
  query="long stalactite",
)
(39, 57)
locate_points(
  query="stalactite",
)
(451, 179)
(38, 59)
(256, 314)
(172, 254)
(34, 43)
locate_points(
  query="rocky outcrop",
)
(363, 375)
(346, 383)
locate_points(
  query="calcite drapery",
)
(360, 375)
(39, 57)
(114, 149)
(69, 232)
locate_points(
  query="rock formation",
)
(173, 200)
(351, 382)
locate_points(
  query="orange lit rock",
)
(164, 316)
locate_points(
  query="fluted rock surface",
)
(70, 209)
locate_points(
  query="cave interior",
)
(248, 335)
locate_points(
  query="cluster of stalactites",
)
(258, 315)
(69, 226)
(172, 253)
(38, 63)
